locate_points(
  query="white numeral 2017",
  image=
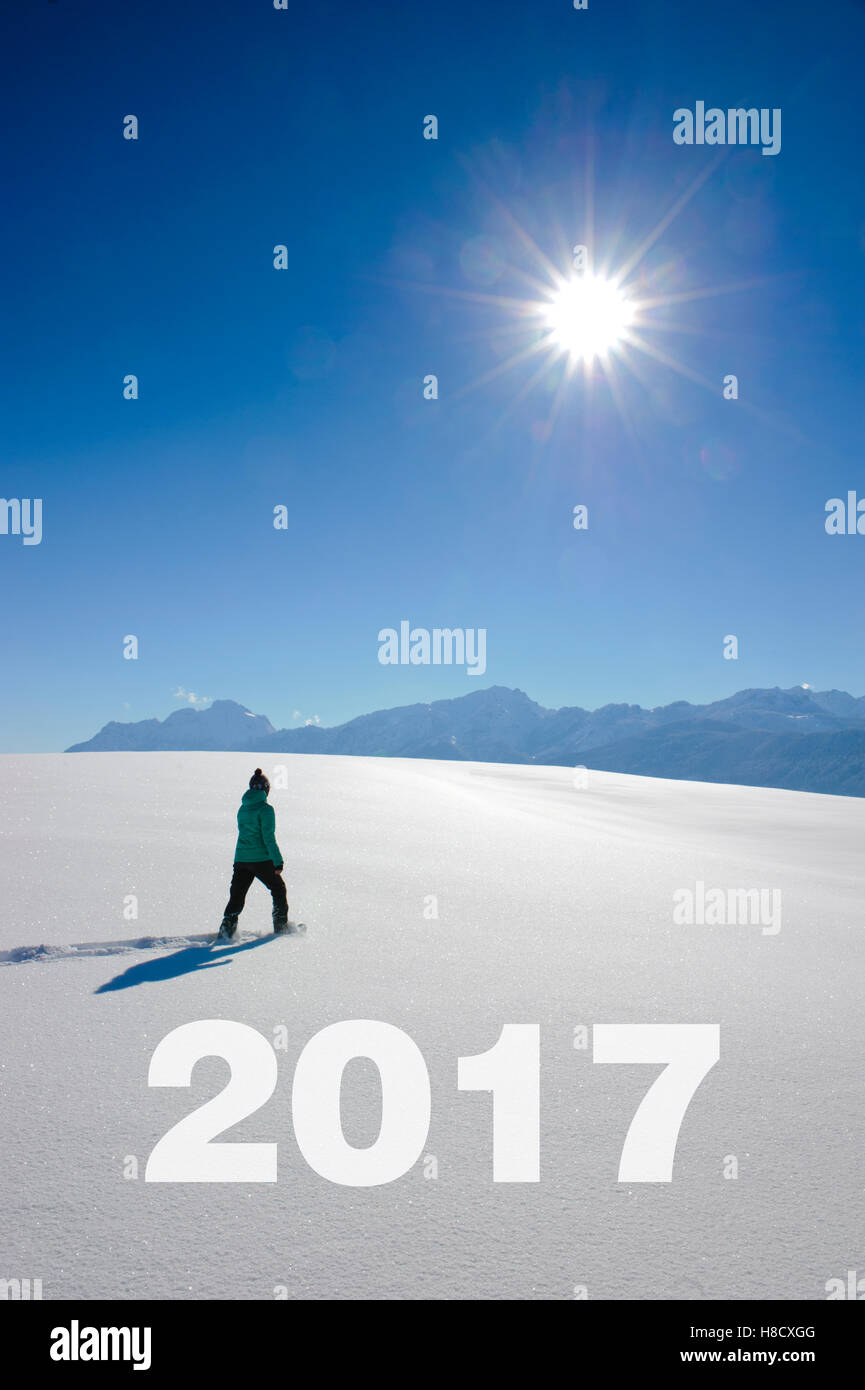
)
(185, 1153)
(510, 1070)
(690, 1051)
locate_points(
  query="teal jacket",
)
(256, 826)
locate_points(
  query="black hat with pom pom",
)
(258, 781)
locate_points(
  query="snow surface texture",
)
(555, 907)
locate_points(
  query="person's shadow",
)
(150, 972)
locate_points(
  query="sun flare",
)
(587, 317)
(566, 325)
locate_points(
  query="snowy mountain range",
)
(802, 739)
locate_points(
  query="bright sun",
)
(587, 317)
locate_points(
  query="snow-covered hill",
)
(555, 907)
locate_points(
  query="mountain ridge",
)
(798, 738)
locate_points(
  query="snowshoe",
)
(228, 927)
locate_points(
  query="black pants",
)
(242, 878)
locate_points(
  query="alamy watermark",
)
(20, 1290)
(21, 516)
(443, 646)
(852, 1287)
(728, 907)
(77, 1343)
(845, 518)
(735, 126)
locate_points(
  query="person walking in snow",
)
(256, 856)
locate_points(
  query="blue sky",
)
(303, 387)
